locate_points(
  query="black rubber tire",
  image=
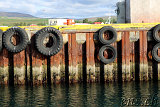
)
(110, 41)
(57, 38)
(1, 33)
(23, 39)
(154, 52)
(155, 33)
(102, 58)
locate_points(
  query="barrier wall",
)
(78, 60)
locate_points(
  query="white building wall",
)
(61, 21)
(142, 11)
(57, 21)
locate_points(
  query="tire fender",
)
(111, 32)
(7, 39)
(155, 53)
(101, 55)
(56, 37)
(156, 33)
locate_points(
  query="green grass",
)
(16, 21)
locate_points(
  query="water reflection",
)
(80, 95)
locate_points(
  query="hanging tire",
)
(23, 39)
(1, 33)
(54, 43)
(155, 52)
(110, 35)
(111, 54)
(156, 33)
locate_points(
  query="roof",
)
(97, 22)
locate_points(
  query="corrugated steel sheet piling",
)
(78, 60)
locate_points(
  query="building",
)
(121, 12)
(138, 11)
(97, 22)
(59, 21)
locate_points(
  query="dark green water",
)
(81, 95)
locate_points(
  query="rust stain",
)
(55, 68)
(127, 56)
(158, 65)
(143, 56)
(90, 48)
(145, 60)
(19, 67)
(126, 75)
(132, 59)
(28, 65)
(80, 62)
(87, 56)
(74, 51)
(69, 49)
(19, 59)
(62, 64)
(123, 57)
(4, 74)
(36, 64)
(91, 56)
(115, 73)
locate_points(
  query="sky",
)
(61, 8)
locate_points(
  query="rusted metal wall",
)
(78, 61)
